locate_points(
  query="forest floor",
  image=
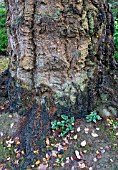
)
(90, 146)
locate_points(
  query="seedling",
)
(65, 124)
(93, 117)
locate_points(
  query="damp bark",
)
(61, 53)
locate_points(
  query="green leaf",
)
(64, 117)
(94, 120)
(72, 119)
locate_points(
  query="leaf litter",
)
(78, 149)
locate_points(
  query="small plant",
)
(93, 117)
(59, 161)
(112, 123)
(65, 124)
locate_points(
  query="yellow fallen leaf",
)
(36, 151)
(9, 146)
(75, 137)
(18, 142)
(83, 143)
(22, 152)
(38, 162)
(44, 159)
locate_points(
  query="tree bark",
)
(61, 52)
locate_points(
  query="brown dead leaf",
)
(65, 148)
(1, 108)
(59, 156)
(1, 165)
(47, 142)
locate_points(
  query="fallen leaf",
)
(8, 158)
(86, 130)
(99, 156)
(18, 155)
(94, 134)
(22, 152)
(90, 168)
(16, 162)
(32, 166)
(65, 148)
(95, 159)
(60, 147)
(47, 141)
(97, 152)
(83, 143)
(82, 165)
(77, 154)
(44, 159)
(75, 137)
(78, 129)
(1, 134)
(9, 145)
(12, 124)
(42, 167)
(38, 162)
(85, 151)
(36, 151)
(54, 153)
(62, 164)
(1, 165)
(10, 116)
(103, 151)
(47, 156)
(117, 134)
(9, 141)
(1, 108)
(16, 140)
(67, 160)
(59, 156)
(111, 160)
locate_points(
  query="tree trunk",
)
(62, 54)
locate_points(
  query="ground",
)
(90, 146)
